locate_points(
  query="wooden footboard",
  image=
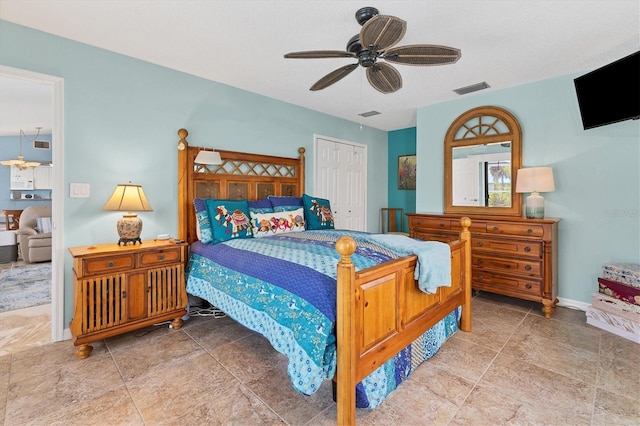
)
(381, 310)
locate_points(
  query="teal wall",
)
(401, 142)
(9, 150)
(121, 117)
(597, 174)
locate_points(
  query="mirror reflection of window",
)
(482, 175)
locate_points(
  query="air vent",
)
(472, 88)
(369, 114)
(41, 145)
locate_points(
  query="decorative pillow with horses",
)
(317, 213)
(229, 219)
(268, 224)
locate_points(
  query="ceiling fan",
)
(375, 40)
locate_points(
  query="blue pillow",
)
(260, 206)
(285, 204)
(317, 213)
(229, 219)
(203, 224)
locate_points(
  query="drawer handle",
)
(479, 243)
(529, 231)
(528, 286)
(442, 225)
(480, 277)
(495, 228)
(527, 249)
(422, 237)
(480, 261)
(110, 264)
(161, 257)
(527, 267)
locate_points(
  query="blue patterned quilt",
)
(284, 288)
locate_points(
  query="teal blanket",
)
(433, 269)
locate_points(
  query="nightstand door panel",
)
(101, 302)
(136, 298)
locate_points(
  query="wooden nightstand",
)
(118, 289)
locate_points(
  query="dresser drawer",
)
(531, 268)
(158, 257)
(100, 265)
(521, 229)
(481, 280)
(431, 223)
(506, 245)
(444, 236)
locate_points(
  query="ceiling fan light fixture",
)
(375, 40)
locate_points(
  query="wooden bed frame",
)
(380, 310)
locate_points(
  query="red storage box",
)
(620, 291)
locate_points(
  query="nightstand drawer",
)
(158, 257)
(525, 230)
(506, 245)
(532, 268)
(100, 265)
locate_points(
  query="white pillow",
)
(268, 224)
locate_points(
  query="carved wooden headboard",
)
(240, 176)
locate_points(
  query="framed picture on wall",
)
(407, 172)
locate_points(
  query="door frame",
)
(57, 203)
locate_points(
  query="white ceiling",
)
(241, 43)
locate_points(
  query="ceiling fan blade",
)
(382, 31)
(333, 77)
(422, 54)
(384, 78)
(318, 54)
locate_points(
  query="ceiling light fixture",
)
(20, 161)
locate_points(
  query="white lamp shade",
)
(535, 179)
(128, 197)
(208, 157)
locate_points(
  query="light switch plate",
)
(79, 190)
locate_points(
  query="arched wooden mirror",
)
(482, 152)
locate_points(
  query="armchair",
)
(34, 234)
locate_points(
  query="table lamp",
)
(535, 180)
(128, 197)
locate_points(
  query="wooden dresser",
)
(513, 256)
(123, 288)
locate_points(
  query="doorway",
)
(57, 203)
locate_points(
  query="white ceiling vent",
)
(41, 144)
(369, 113)
(472, 88)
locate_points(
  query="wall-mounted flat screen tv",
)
(610, 94)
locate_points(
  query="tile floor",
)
(515, 367)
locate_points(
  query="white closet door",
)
(341, 178)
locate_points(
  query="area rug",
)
(25, 287)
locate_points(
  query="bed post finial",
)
(182, 143)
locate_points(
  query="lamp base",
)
(129, 228)
(535, 206)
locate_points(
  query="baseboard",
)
(573, 304)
